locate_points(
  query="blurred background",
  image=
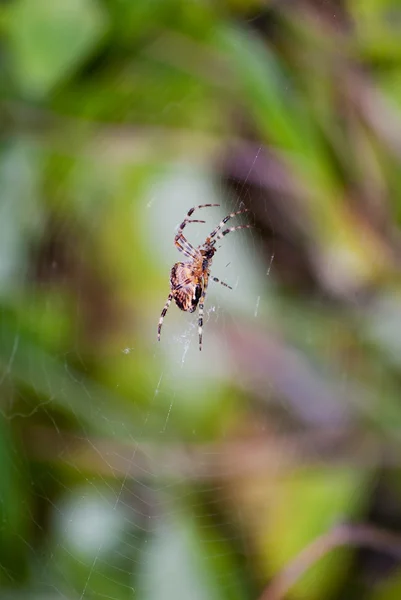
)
(136, 469)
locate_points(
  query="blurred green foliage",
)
(136, 469)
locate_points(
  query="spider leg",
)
(182, 244)
(201, 309)
(163, 314)
(190, 250)
(189, 213)
(185, 247)
(223, 233)
(227, 218)
(222, 282)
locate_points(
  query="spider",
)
(189, 280)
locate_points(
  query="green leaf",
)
(49, 39)
(29, 365)
(274, 103)
(305, 505)
(13, 501)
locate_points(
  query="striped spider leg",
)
(180, 240)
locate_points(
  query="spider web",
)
(131, 510)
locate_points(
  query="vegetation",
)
(136, 469)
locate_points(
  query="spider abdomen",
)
(187, 298)
(186, 286)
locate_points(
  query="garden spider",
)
(189, 280)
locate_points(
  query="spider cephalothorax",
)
(189, 280)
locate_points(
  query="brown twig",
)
(341, 535)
